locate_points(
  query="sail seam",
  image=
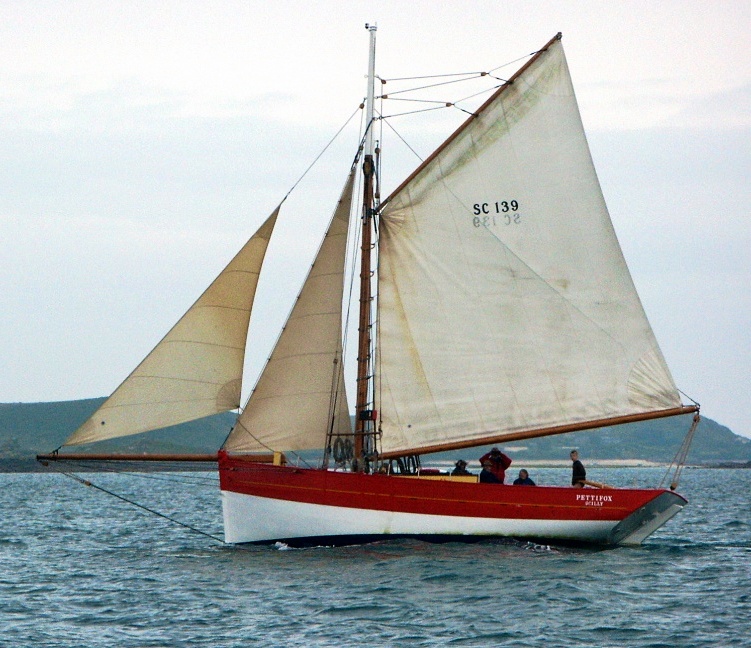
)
(175, 379)
(198, 343)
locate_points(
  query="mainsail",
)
(505, 303)
(196, 369)
(300, 394)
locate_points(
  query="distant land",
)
(28, 429)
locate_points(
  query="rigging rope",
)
(90, 484)
(242, 427)
(679, 460)
(436, 76)
(477, 75)
(318, 157)
(465, 74)
(416, 154)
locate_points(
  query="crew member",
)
(524, 479)
(487, 476)
(499, 462)
(578, 474)
(460, 468)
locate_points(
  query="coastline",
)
(30, 465)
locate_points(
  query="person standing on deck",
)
(578, 473)
(487, 476)
(499, 463)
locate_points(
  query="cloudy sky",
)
(141, 143)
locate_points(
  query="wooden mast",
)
(363, 415)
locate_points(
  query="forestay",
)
(196, 369)
(505, 303)
(300, 394)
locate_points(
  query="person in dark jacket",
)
(524, 479)
(460, 468)
(487, 474)
(499, 463)
(578, 473)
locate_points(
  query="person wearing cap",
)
(499, 463)
(460, 468)
(487, 475)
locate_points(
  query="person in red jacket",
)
(500, 463)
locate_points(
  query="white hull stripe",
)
(248, 518)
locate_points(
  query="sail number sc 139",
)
(500, 212)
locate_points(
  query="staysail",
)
(505, 303)
(196, 369)
(300, 394)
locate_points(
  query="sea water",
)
(81, 568)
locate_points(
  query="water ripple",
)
(77, 569)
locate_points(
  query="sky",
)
(141, 144)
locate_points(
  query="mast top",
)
(369, 103)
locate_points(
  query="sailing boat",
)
(501, 309)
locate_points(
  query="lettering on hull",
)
(593, 500)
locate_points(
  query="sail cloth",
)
(505, 303)
(300, 394)
(196, 369)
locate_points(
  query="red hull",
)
(431, 497)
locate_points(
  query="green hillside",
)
(28, 429)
